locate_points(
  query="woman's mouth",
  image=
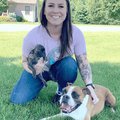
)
(55, 16)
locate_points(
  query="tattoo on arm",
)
(84, 68)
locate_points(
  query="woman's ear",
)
(86, 91)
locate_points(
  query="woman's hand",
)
(93, 95)
(39, 67)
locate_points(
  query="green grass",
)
(103, 50)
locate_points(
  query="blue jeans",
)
(27, 87)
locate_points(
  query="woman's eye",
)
(61, 6)
(75, 95)
(50, 5)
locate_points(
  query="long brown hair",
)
(66, 32)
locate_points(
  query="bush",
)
(19, 19)
(6, 19)
(95, 11)
(14, 17)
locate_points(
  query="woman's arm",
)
(86, 74)
(84, 68)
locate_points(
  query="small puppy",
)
(36, 54)
(76, 102)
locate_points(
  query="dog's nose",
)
(65, 99)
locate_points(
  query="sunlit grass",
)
(103, 46)
(103, 50)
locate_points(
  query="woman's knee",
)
(26, 89)
(67, 70)
(69, 63)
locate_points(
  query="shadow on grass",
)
(104, 73)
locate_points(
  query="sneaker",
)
(56, 99)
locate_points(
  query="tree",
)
(3, 6)
(96, 11)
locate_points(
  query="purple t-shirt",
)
(39, 35)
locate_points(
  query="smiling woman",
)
(55, 12)
(61, 40)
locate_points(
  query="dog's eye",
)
(43, 49)
(75, 95)
(64, 91)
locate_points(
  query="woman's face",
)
(55, 11)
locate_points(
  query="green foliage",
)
(5, 19)
(3, 6)
(12, 18)
(96, 11)
(19, 18)
(87, 11)
(79, 11)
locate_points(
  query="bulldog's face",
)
(71, 97)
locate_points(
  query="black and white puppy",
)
(36, 54)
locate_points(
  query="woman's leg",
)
(64, 71)
(26, 89)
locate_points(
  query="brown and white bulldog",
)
(77, 103)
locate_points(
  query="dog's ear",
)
(86, 91)
(69, 84)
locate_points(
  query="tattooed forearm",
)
(84, 68)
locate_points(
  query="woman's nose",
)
(56, 9)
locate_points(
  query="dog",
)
(36, 54)
(76, 102)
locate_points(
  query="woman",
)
(61, 40)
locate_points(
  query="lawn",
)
(103, 50)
